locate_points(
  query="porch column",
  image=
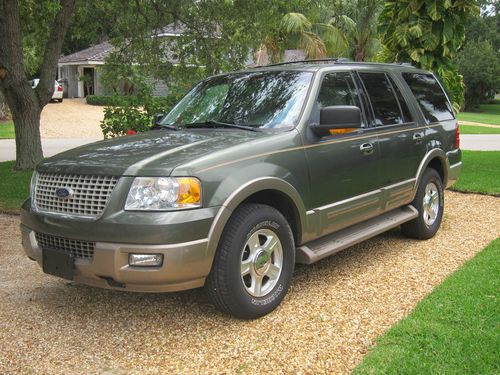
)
(79, 82)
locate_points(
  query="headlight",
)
(164, 193)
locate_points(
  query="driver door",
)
(344, 168)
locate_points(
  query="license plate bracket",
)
(58, 263)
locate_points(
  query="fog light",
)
(145, 260)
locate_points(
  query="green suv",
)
(250, 173)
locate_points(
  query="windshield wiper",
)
(166, 126)
(214, 123)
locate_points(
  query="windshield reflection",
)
(257, 99)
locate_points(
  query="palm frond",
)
(344, 21)
(312, 45)
(295, 23)
(335, 41)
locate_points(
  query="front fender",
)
(241, 193)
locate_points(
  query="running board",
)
(335, 242)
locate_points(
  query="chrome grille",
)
(79, 249)
(89, 196)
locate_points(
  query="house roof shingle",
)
(93, 53)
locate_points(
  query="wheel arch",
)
(437, 160)
(272, 191)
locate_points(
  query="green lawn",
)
(454, 330)
(486, 113)
(14, 186)
(471, 129)
(480, 172)
(7, 129)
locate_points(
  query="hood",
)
(154, 153)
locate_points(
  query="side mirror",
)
(157, 117)
(337, 117)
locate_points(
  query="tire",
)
(237, 270)
(430, 213)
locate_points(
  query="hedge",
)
(110, 100)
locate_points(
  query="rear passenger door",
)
(435, 108)
(401, 139)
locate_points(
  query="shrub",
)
(133, 113)
(108, 100)
(119, 120)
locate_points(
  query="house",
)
(82, 70)
(86, 63)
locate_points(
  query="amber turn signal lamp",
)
(341, 131)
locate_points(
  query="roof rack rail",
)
(331, 59)
(405, 64)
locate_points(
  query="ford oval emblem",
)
(64, 193)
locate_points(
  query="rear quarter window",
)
(430, 97)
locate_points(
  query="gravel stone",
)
(330, 318)
(73, 118)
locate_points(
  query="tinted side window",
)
(385, 106)
(402, 103)
(336, 89)
(430, 97)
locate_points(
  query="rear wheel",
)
(429, 201)
(254, 262)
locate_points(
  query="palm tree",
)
(360, 27)
(316, 39)
(346, 29)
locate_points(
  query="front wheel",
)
(254, 262)
(429, 201)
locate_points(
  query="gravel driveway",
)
(73, 118)
(332, 314)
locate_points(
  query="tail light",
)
(457, 136)
(59, 88)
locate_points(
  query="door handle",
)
(418, 137)
(366, 148)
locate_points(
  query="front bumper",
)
(181, 237)
(185, 265)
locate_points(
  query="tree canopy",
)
(427, 33)
(479, 60)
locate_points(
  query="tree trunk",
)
(359, 53)
(25, 103)
(26, 115)
(28, 143)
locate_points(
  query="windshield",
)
(257, 99)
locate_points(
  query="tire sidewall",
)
(264, 219)
(430, 176)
